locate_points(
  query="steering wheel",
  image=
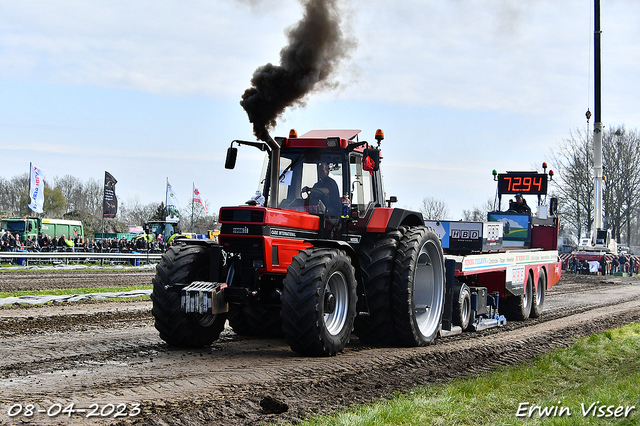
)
(305, 193)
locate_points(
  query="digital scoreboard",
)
(526, 183)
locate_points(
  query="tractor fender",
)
(385, 220)
(216, 260)
(337, 244)
(348, 248)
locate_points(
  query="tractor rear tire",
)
(319, 302)
(418, 287)
(255, 321)
(537, 305)
(376, 257)
(183, 264)
(518, 308)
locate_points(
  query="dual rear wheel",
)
(404, 279)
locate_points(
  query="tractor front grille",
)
(250, 249)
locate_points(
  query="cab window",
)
(361, 184)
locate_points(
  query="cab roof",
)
(324, 134)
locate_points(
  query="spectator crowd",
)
(606, 264)
(43, 243)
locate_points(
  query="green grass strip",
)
(596, 375)
(67, 291)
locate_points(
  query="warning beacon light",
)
(379, 136)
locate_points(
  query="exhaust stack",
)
(274, 161)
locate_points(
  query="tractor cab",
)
(327, 173)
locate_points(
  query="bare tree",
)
(478, 214)
(573, 181)
(201, 222)
(14, 194)
(93, 196)
(72, 190)
(133, 212)
(622, 186)
(434, 209)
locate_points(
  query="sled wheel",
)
(462, 306)
(538, 296)
(518, 308)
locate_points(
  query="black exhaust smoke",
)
(316, 46)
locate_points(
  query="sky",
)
(151, 90)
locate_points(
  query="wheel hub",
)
(329, 303)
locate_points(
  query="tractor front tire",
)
(183, 264)
(319, 302)
(418, 287)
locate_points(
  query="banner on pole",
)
(36, 190)
(198, 198)
(109, 201)
(173, 207)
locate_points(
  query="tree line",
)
(68, 197)
(575, 188)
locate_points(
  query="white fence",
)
(24, 258)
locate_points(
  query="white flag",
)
(36, 191)
(173, 207)
(198, 198)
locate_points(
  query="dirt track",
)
(109, 353)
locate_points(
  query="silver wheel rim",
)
(337, 286)
(525, 297)
(466, 308)
(541, 285)
(428, 289)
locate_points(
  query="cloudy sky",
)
(150, 90)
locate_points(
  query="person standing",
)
(520, 205)
(603, 265)
(623, 263)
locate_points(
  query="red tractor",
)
(324, 256)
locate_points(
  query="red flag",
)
(198, 198)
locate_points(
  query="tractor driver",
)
(520, 205)
(326, 190)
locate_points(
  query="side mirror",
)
(371, 159)
(230, 161)
(553, 206)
